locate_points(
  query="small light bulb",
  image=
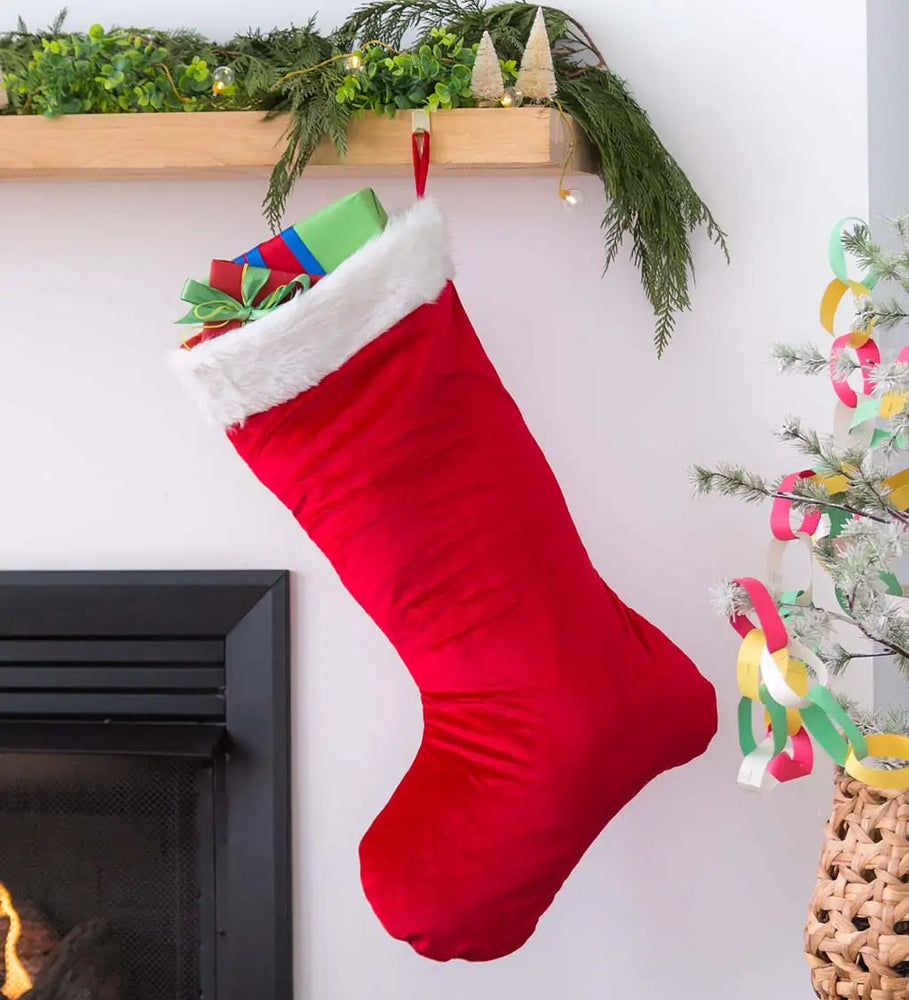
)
(222, 78)
(571, 197)
(354, 62)
(512, 98)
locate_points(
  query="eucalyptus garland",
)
(302, 72)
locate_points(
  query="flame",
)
(17, 979)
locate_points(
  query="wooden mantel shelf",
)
(242, 144)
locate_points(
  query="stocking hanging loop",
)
(420, 142)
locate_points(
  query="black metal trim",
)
(130, 605)
(74, 704)
(110, 677)
(129, 652)
(201, 740)
(259, 824)
(206, 796)
(176, 620)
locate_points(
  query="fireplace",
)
(144, 786)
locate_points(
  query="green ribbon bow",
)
(211, 304)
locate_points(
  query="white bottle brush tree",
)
(536, 77)
(487, 83)
(858, 486)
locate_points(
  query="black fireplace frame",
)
(175, 663)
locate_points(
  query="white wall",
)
(888, 195)
(697, 890)
(888, 88)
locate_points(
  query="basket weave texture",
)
(857, 936)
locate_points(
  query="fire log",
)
(37, 938)
(83, 966)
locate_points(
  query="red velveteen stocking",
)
(368, 406)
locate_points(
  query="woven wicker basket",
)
(857, 936)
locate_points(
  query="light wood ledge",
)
(242, 144)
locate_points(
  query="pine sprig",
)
(871, 256)
(825, 456)
(885, 313)
(730, 480)
(268, 63)
(649, 198)
(891, 377)
(804, 359)
(882, 720)
(16, 47)
(391, 21)
(314, 114)
(261, 59)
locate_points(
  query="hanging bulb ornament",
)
(355, 62)
(571, 197)
(222, 78)
(512, 98)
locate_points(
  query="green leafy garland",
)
(435, 76)
(303, 73)
(107, 74)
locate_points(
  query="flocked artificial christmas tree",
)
(860, 482)
(850, 511)
(536, 77)
(486, 81)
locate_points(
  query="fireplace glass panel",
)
(105, 849)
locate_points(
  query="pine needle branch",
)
(735, 481)
(805, 359)
(730, 480)
(885, 314)
(891, 377)
(820, 450)
(56, 26)
(649, 198)
(392, 21)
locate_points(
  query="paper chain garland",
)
(772, 668)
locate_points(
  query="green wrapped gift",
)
(341, 228)
(319, 243)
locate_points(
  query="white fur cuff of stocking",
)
(270, 361)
